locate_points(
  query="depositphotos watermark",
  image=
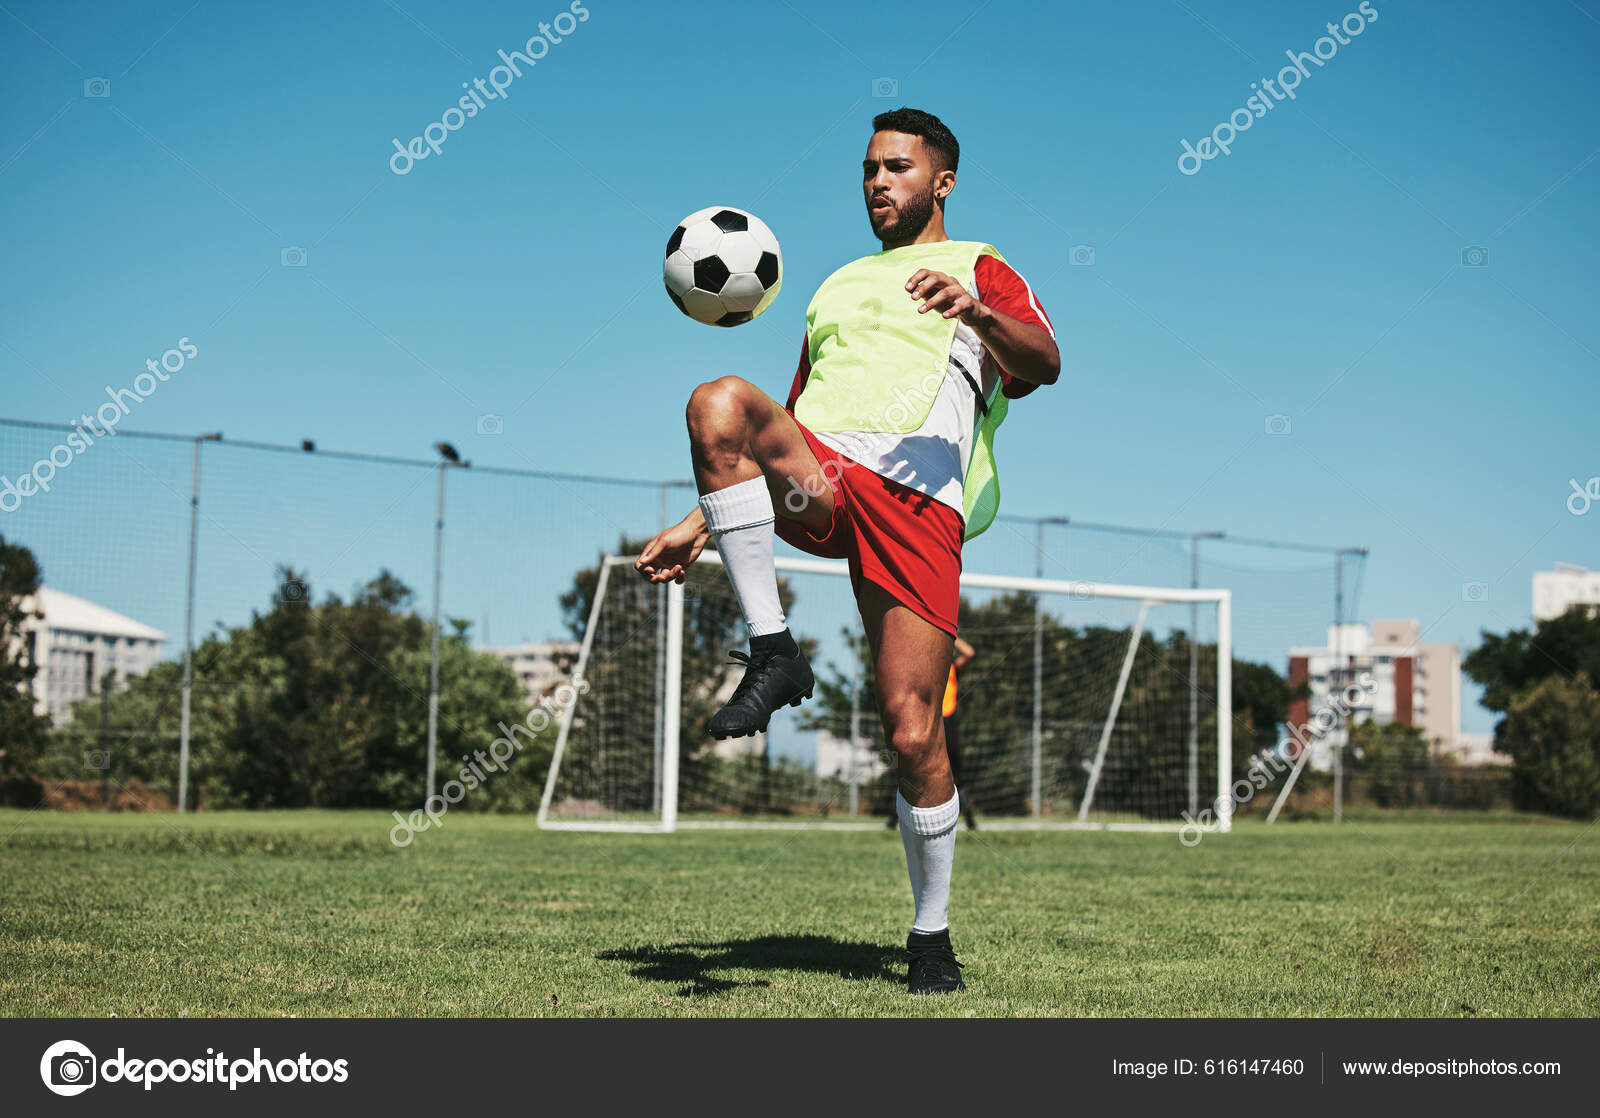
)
(480, 92)
(109, 414)
(500, 751)
(1258, 104)
(1264, 767)
(1582, 496)
(69, 1068)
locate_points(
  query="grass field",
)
(315, 913)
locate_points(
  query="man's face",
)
(899, 183)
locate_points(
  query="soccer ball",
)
(723, 266)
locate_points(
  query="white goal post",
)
(1129, 708)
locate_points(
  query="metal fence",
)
(188, 534)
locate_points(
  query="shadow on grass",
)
(688, 964)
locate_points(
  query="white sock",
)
(739, 519)
(929, 836)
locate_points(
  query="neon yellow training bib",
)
(877, 365)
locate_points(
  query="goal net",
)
(1087, 705)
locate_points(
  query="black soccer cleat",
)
(776, 673)
(934, 969)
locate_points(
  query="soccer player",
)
(883, 455)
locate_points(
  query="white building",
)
(731, 749)
(1436, 679)
(1415, 682)
(540, 665)
(839, 758)
(1555, 592)
(1477, 749)
(75, 643)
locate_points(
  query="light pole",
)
(188, 623)
(1038, 661)
(447, 458)
(1336, 683)
(1194, 669)
(1336, 670)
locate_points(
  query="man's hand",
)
(964, 653)
(667, 556)
(1023, 350)
(945, 294)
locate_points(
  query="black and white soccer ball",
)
(723, 266)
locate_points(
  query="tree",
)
(1544, 684)
(316, 705)
(1552, 732)
(1512, 664)
(1391, 756)
(1261, 699)
(23, 733)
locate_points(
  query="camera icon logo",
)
(886, 87)
(68, 1068)
(491, 424)
(1081, 592)
(293, 257)
(1279, 425)
(1474, 256)
(292, 592)
(1474, 591)
(1081, 256)
(96, 759)
(97, 88)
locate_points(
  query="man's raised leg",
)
(912, 661)
(747, 450)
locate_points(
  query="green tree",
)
(1261, 699)
(1538, 681)
(316, 705)
(23, 733)
(1393, 757)
(1552, 732)
(1509, 665)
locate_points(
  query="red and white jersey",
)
(933, 458)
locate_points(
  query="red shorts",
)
(902, 540)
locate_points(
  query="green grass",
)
(314, 913)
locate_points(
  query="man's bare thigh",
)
(796, 480)
(911, 655)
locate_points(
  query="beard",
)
(908, 221)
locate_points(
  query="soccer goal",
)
(1087, 705)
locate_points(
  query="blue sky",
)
(1435, 411)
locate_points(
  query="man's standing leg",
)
(912, 660)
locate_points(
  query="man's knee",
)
(915, 735)
(719, 404)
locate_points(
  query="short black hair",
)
(914, 122)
